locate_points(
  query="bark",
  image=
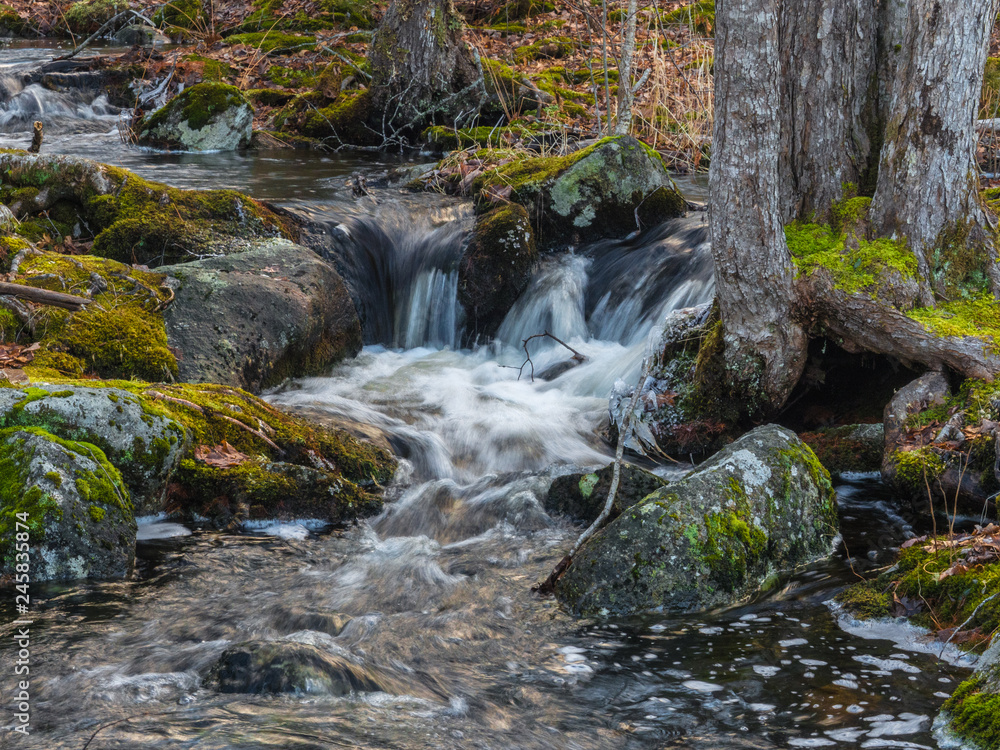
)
(625, 92)
(764, 349)
(828, 53)
(928, 185)
(422, 70)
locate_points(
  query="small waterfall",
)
(65, 107)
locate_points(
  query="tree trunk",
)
(764, 349)
(928, 179)
(623, 124)
(422, 70)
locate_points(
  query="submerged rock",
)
(145, 446)
(72, 501)
(496, 267)
(203, 117)
(762, 505)
(582, 496)
(255, 318)
(609, 189)
(290, 667)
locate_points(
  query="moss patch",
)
(272, 41)
(978, 317)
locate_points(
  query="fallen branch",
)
(252, 431)
(527, 356)
(991, 125)
(44, 296)
(86, 42)
(549, 585)
(175, 400)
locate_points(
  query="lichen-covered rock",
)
(970, 718)
(145, 446)
(255, 318)
(289, 666)
(596, 192)
(762, 505)
(851, 448)
(204, 117)
(131, 219)
(582, 496)
(496, 267)
(70, 504)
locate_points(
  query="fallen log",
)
(44, 296)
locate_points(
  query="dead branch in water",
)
(548, 586)
(527, 356)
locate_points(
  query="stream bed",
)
(434, 594)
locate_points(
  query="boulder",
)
(969, 719)
(582, 496)
(495, 267)
(762, 505)
(943, 443)
(255, 318)
(145, 446)
(850, 448)
(290, 666)
(610, 189)
(203, 117)
(73, 503)
(136, 35)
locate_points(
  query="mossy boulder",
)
(11, 24)
(144, 445)
(131, 219)
(343, 122)
(255, 318)
(582, 496)
(288, 666)
(847, 449)
(970, 718)
(203, 117)
(67, 504)
(589, 194)
(87, 16)
(760, 506)
(495, 267)
(943, 443)
(180, 16)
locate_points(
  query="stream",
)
(435, 591)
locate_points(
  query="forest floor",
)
(296, 57)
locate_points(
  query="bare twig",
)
(44, 296)
(527, 356)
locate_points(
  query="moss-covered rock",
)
(344, 122)
(68, 507)
(274, 41)
(496, 267)
(762, 505)
(11, 24)
(87, 16)
(144, 445)
(591, 193)
(582, 496)
(288, 666)
(851, 448)
(549, 48)
(255, 318)
(970, 718)
(133, 220)
(179, 16)
(203, 117)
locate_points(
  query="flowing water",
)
(435, 591)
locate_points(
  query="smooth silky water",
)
(438, 586)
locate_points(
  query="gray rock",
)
(255, 318)
(290, 667)
(74, 503)
(203, 117)
(145, 446)
(762, 505)
(601, 194)
(966, 723)
(582, 496)
(930, 389)
(135, 34)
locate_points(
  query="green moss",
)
(917, 467)
(96, 513)
(989, 106)
(181, 15)
(11, 21)
(125, 341)
(699, 16)
(974, 714)
(978, 317)
(850, 214)
(854, 269)
(866, 600)
(272, 41)
(449, 138)
(345, 121)
(55, 477)
(88, 16)
(198, 104)
(548, 48)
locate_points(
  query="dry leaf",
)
(222, 456)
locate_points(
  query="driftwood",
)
(44, 296)
(36, 139)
